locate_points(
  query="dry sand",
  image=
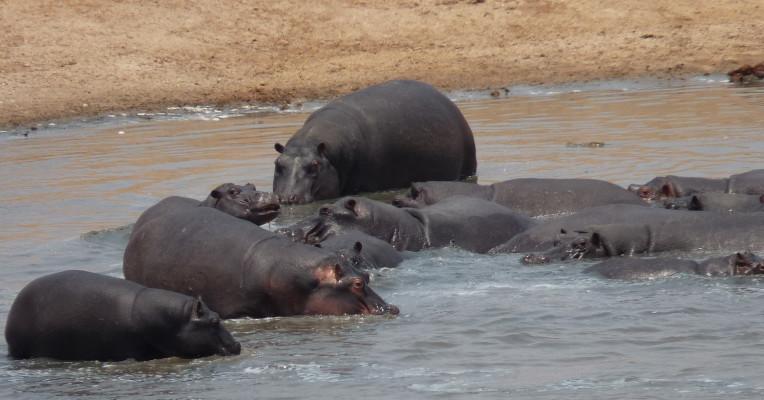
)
(62, 59)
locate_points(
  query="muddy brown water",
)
(471, 326)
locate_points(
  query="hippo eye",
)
(233, 192)
(358, 283)
(313, 167)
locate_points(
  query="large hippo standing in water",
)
(738, 264)
(78, 315)
(242, 270)
(472, 224)
(531, 196)
(382, 137)
(670, 186)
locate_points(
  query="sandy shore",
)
(69, 58)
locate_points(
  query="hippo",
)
(738, 264)
(690, 230)
(382, 137)
(469, 223)
(373, 253)
(670, 186)
(719, 202)
(244, 202)
(79, 315)
(242, 270)
(747, 74)
(531, 196)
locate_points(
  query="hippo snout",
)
(386, 309)
(232, 348)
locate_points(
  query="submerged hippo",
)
(719, 202)
(78, 315)
(244, 202)
(385, 136)
(242, 270)
(466, 222)
(531, 196)
(690, 230)
(662, 187)
(372, 252)
(738, 264)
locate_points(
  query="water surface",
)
(471, 326)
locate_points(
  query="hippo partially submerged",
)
(531, 196)
(466, 222)
(738, 264)
(719, 202)
(242, 270)
(670, 186)
(382, 137)
(78, 315)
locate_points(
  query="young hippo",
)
(469, 223)
(738, 264)
(244, 202)
(78, 315)
(243, 270)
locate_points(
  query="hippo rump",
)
(531, 196)
(469, 223)
(78, 315)
(718, 202)
(382, 137)
(661, 187)
(685, 231)
(738, 264)
(242, 270)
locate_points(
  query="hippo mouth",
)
(267, 209)
(381, 309)
(745, 266)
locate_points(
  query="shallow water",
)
(471, 325)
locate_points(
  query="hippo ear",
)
(357, 247)
(215, 194)
(198, 309)
(279, 148)
(695, 204)
(350, 205)
(321, 148)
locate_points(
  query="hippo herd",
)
(188, 263)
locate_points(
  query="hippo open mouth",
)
(268, 209)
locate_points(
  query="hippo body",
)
(531, 196)
(662, 187)
(382, 137)
(738, 264)
(719, 202)
(617, 230)
(375, 253)
(78, 315)
(242, 270)
(469, 223)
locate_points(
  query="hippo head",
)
(353, 258)
(745, 263)
(657, 189)
(417, 197)
(304, 174)
(338, 293)
(200, 334)
(368, 216)
(244, 202)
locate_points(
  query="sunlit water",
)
(471, 326)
